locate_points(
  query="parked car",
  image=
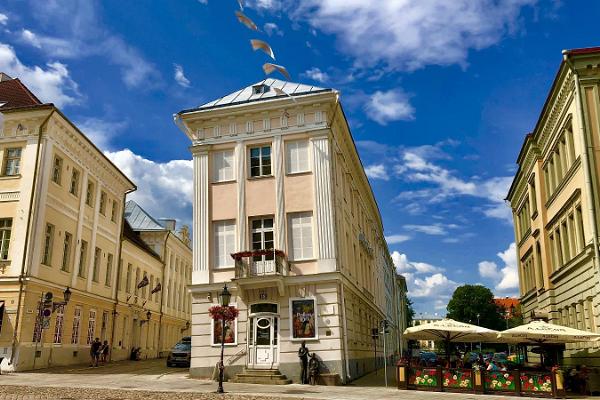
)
(180, 354)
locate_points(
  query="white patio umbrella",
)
(450, 330)
(540, 332)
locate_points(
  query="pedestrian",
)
(95, 351)
(105, 350)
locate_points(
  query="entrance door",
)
(263, 352)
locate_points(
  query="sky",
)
(438, 95)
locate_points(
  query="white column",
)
(280, 236)
(36, 242)
(201, 218)
(324, 223)
(81, 217)
(240, 164)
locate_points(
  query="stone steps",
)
(261, 376)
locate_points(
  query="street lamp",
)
(148, 316)
(224, 297)
(375, 336)
(480, 349)
(47, 306)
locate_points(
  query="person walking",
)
(105, 350)
(95, 349)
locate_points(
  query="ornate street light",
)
(67, 294)
(224, 297)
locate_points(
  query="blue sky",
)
(438, 95)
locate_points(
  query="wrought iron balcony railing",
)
(265, 262)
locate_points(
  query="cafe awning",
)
(541, 332)
(450, 330)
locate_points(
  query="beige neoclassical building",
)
(554, 198)
(284, 214)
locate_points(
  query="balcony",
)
(256, 269)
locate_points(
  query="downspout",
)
(587, 168)
(119, 271)
(346, 363)
(160, 327)
(27, 231)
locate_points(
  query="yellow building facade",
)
(554, 199)
(61, 226)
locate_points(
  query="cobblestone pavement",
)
(151, 380)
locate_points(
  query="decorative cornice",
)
(10, 196)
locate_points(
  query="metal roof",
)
(139, 219)
(247, 94)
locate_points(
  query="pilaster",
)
(240, 176)
(92, 250)
(201, 218)
(280, 233)
(78, 234)
(36, 242)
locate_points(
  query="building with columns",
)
(284, 214)
(62, 203)
(555, 203)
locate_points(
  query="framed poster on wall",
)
(303, 318)
(230, 332)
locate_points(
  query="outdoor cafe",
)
(482, 375)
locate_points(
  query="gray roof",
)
(139, 219)
(246, 94)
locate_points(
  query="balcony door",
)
(262, 239)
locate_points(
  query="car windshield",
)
(183, 346)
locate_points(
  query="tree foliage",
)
(470, 301)
(409, 312)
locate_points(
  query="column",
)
(200, 217)
(280, 236)
(92, 249)
(324, 222)
(240, 176)
(81, 217)
(39, 220)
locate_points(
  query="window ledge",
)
(253, 178)
(9, 177)
(304, 260)
(223, 182)
(299, 173)
(574, 262)
(228, 268)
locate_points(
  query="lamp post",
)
(480, 349)
(45, 309)
(375, 336)
(224, 297)
(384, 329)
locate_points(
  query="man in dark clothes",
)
(303, 355)
(95, 351)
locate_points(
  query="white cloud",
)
(316, 75)
(435, 285)
(52, 84)
(180, 76)
(81, 34)
(393, 105)
(395, 239)
(434, 229)
(203, 1)
(272, 5)
(100, 131)
(377, 171)
(505, 279)
(3, 19)
(271, 28)
(408, 35)
(164, 189)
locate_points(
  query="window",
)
(82, 259)
(48, 239)
(74, 188)
(300, 119)
(96, 269)
(262, 237)
(89, 194)
(113, 211)
(224, 232)
(57, 170)
(103, 202)
(300, 236)
(260, 89)
(5, 228)
(297, 157)
(260, 161)
(58, 327)
(66, 256)
(128, 279)
(76, 325)
(12, 162)
(104, 326)
(223, 166)
(249, 127)
(109, 265)
(91, 331)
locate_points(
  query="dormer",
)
(261, 88)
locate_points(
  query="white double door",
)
(264, 339)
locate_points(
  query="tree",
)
(470, 301)
(409, 312)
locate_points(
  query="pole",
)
(221, 366)
(375, 359)
(384, 359)
(38, 322)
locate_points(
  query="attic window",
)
(260, 89)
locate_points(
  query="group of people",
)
(99, 352)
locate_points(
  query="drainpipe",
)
(346, 363)
(119, 272)
(162, 294)
(22, 275)
(587, 168)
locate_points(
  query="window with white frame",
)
(76, 325)
(103, 202)
(222, 166)
(91, 331)
(58, 327)
(12, 161)
(66, 259)
(5, 230)
(262, 237)
(96, 269)
(48, 240)
(300, 236)
(113, 211)
(82, 272)
(74, 186)
(89, 194)
(224, 234)
(296, 156)
(57, 169)
(109, 266)
(260, 161)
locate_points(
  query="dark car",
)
(180, 354)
